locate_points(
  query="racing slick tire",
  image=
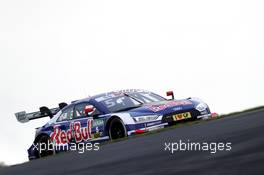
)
(45, 147)
(117, 129)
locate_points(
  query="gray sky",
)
(54, 51)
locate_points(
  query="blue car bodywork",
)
(110, 116)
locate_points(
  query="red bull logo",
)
(75, 132)
(156, 108)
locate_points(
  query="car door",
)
(62, 132)
(87, 127)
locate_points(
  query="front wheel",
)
(117, 129)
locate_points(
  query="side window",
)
(66, 114)
(79, 111)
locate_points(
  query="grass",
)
(244, 111)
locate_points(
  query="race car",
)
(109, 116)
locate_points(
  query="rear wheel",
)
(45, 147)
(117, 129)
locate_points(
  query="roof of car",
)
(88, 99)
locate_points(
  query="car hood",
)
(163, 107)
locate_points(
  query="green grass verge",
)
(244, 111)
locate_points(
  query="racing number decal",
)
(109, 103)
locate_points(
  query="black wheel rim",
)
(117, 131)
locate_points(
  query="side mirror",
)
(170, 93)
(88, 109)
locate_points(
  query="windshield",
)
(147, 97)
(126, 101)
(115, 103)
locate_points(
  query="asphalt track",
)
(146, 155)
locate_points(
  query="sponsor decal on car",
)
(98, 122)
(153, 123)
(156, 108)
(182, 116)
(75, 132)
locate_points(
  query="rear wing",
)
(44, 111)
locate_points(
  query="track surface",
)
(146, 155)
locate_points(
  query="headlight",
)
(146, 118)
(201, 107)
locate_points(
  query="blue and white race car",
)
(109, 116)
